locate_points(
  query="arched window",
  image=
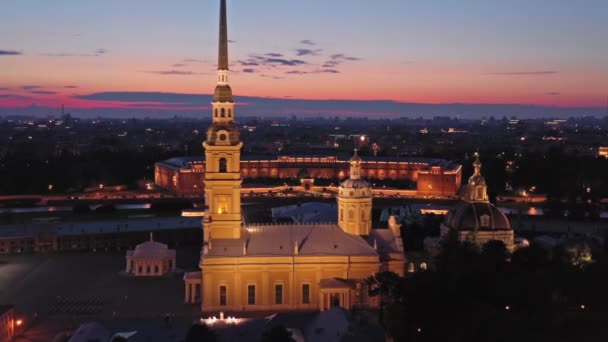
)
(223, 113)
(216, 112)
(229, 113)
(223, 165)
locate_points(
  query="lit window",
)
(305, 293)
(278, 294)
(223, 295)
(251, 294)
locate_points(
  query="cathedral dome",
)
(354, 184)
(223, 93)
(471, 216)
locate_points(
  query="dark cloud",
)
(296, 72)
(343, 57)
(248, 63)
(307, 42)
(173, 72)
(274, 54)
(30, 87)
(249, 71)
(331, 64)
(553, 93)
(96, 53)
(3, 89)
(70, 87)
(316, 71)
(271, 76)
(3, 96)
(193, 60)
(179, 65)
(525, 73)
(231, 41)
(308, 52)
(43, 92)
(268, 107)
(272, 61)
(10, 53)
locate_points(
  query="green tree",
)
(201, 333)
(277, 333)
(388, 286)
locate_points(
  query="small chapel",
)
(281, 267)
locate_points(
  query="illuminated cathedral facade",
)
(281, 267)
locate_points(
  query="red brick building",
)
(434, 177)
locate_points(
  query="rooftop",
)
(281, 240)
(187, 162)
(99, 227)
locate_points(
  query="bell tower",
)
(355, 201)
(222, 154)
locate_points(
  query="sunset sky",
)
(548, 53)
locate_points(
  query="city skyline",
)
(114, 58)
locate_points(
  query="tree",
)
(278, 333)
(388, 286)
(201, 333)
(495, 255)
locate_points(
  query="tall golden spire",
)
(222, 63)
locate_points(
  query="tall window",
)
(223, 165)
(305, 293)
(223, 111)
(222, 295)
(278, 294)
(251, 294)
(341, 214)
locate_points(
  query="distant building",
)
(150, 259)
(103, 235)
(474, 218)
(8, 322)
(603, 151)
(434, 177)
(280, 267)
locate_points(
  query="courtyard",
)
(54, 293)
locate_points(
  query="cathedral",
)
(281, 267)
(474, 219)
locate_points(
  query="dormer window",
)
(484, 221)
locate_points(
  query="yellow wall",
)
(292, 272)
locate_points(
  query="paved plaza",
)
(57, 292)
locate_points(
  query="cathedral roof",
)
(354, 184)
(152, 250)
(223, 93)
(467, 216)
(281, 240)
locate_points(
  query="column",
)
(187, 293)
(320, 299)
(192, 293)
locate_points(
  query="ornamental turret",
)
(355, 201)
